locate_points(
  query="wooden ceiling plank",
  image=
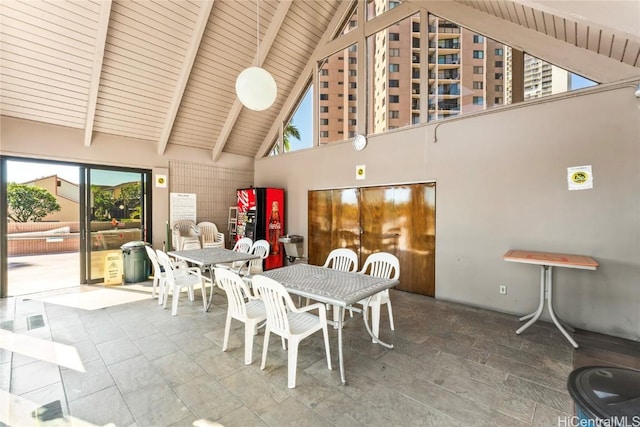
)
(181, 83)
(68, 43)
(129, 26)
(267, 42)
(149, 61)
(19, 62)
(582, 35)
(148, 14)
(98, 57)
(49, 16)
(46, 54)
(631, 52)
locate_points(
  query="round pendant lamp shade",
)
(256, 88)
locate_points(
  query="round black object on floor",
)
(606, 394)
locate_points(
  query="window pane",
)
(394, 76)
(298, 132)
(340, 72)
(378, 7)
(462, 73)
(543, 79)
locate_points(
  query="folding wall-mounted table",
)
(546, 261)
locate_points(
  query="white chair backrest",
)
(261, 247)
(167, 265)
(186, 227)
(237, 291)
(277, 302)
(153, 258)
(190, 244)
(383, 265)
(208, 230)
(243, 245)
(342, 259)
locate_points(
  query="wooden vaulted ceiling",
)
(164, 71)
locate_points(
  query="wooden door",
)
(396, 219)
(415, 216)
(320, 225)
(334, 222)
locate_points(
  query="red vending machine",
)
(261, 216)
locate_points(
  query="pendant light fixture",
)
(255, 86)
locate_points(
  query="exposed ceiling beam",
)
(267, 42)
(185, 72)
(303, 80)
(94, 86)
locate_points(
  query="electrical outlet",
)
(503, 289)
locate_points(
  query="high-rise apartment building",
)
(463, 72)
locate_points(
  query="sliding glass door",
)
(116, 212)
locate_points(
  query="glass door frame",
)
(86, 216)
(85, 211)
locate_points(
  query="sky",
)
(20, 172)
(302, 119)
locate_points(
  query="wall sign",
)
(361, 171)
(161, 181)
(580, 178)
(182, 206)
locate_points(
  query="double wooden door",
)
(398, 219)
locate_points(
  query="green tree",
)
(130, 195)
(29, 203)
(291, 131)
(103, 201)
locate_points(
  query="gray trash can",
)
(605, 395)
(135, 262)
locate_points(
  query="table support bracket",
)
(546, 294)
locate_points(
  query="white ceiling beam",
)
(265, 46)
(185, 72)
(94, 86)
(303, 80)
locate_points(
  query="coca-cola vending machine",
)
(261, 216)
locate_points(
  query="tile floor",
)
(452, 365)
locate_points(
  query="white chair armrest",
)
(319, 306)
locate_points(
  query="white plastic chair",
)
(291, 323)
(158, 274)
(385, 266)
(210, 236)
(254, 266)
(177, 281)
(185, 231)
(341, 259)
(242, 245)
(180, 268)
(243, 306)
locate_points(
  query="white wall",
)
(501, 183)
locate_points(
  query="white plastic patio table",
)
(546, 261)
(208, 258)
(332, 287)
